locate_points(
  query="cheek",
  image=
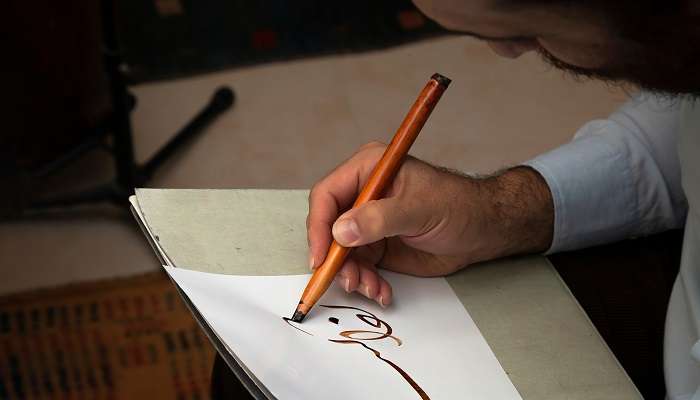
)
(444, 13)
(426, 7)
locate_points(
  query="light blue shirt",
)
(619, 177)
(636, 173)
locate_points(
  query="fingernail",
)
(380, 300)
(362, 288)
(346, 231)
(346, 285)
(311, 262)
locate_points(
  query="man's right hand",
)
(430, 222)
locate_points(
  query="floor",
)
(293, 122)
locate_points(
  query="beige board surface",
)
(537, 330)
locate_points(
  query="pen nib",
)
(298, 316)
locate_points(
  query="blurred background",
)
(102, 97)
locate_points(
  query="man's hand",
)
(431, 221)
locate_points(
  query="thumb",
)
(376, 220)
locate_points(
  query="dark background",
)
(57, 92)
(165, 39)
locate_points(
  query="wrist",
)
(517, 211)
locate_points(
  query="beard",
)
(669, 66)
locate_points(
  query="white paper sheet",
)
(442, 353)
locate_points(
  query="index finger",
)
(334, 194)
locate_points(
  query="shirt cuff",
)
(592, 189)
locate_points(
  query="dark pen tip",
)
(298, 316)
(441, 80)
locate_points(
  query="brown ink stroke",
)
(398, 369)
(373, 321)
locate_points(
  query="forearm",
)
(518, 211)
(523, 206)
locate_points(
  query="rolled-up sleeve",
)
(618, 178)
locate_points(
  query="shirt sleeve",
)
(618, 178)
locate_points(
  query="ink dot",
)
(333, 320)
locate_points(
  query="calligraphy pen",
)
(382, 175)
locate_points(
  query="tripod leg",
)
(222, 100)
(122, 103)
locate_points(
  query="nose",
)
(513, 49)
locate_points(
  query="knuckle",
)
(372, 145)
(316, 195)
(344, 273)
(314, 190)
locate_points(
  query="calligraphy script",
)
(360, 336)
